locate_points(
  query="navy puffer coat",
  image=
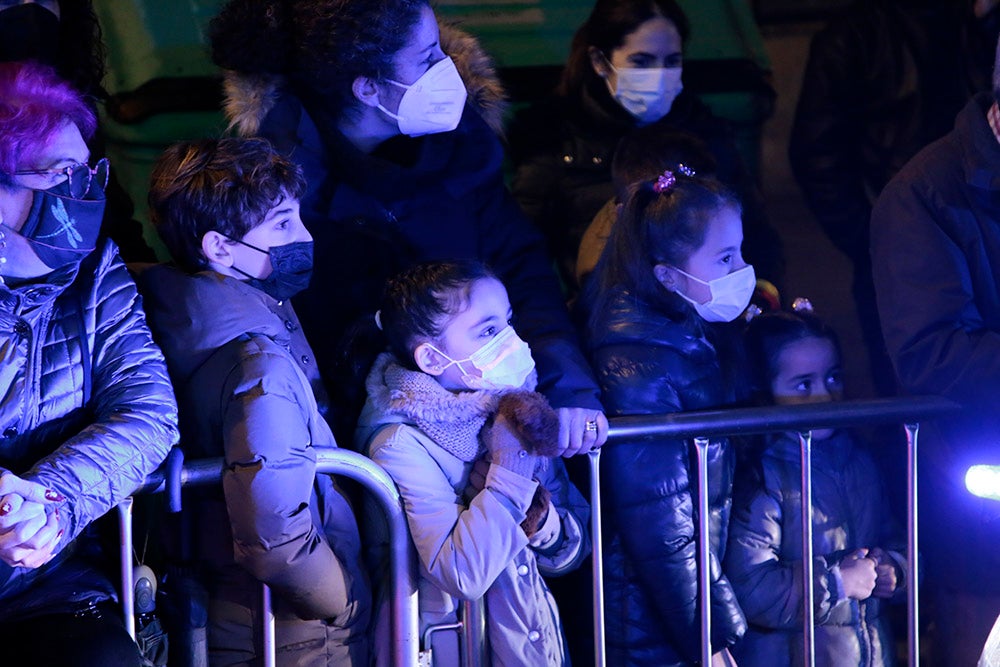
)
(648, 362)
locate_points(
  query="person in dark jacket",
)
(884, 79)
(623, 72)
(401, 169)
(670, 277)
(86, 407)
(795, 360)
(936, 259)
(249, 391)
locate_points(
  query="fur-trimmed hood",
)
(249, 97)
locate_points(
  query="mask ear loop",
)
(451, 362)
(388, 113)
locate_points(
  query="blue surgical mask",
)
(648, 93)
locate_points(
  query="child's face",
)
(282, 225)
(718, 256)
(488, 313)
(808, 371)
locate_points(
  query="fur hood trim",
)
(249, 97)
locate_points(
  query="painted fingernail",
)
(5, 509)
(53, 495)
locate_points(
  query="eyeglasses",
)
(80, 176)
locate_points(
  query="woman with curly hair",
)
(394, 122)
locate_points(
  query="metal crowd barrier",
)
(700, 426)
(403, 601)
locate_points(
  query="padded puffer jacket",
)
(247, 386)
(86, 409)
(648, 362)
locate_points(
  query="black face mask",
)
(291, 269)
(29, 32)
(61, 229)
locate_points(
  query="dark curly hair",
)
(320, 46)
(224, 185)
(81, 49)
(609, 23)
(79, 54)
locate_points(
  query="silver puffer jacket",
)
(86, 409)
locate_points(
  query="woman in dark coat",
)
(623, 72)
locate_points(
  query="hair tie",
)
(802, 305)
(752, 311)
(665, 181)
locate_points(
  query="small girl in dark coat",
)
(796, 359)
(672, 268)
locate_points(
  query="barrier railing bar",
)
(912, 540)
(744, 421)
(474, 633)
(808, 591)
(704, 551)
(690, 425)
(125, 557)
(403, 604)
(597, 556)
(267, 617)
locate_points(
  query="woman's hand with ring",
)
(581, 430)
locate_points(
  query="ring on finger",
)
(590, 425)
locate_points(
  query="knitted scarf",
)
(451, 419)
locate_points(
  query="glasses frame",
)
(104, 164)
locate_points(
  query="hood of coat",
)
(192, 315)
(249, 97)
